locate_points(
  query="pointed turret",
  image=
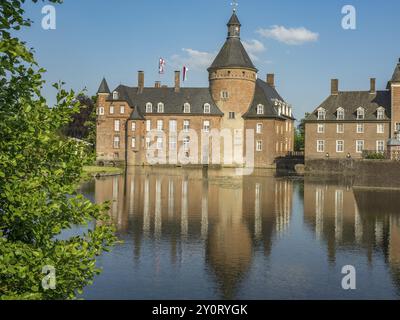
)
(104, 87)
(396, 74)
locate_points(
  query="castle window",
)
(340, 114)
(122, 109)
(111, 109)
(160, 143)
(133, 126)
(320, 146)
(207, 108)
(360, 128)
(172, 126)
(259, 128)
(206, 126)
(260, 109)
(321, 128)
(340, 128)
(186, 125)
(186, 108)
(186, 143)
(160, 125)
(224, 94)
(359, 146)
(259, 146)
(116, 125)
(380, 114)
(160, 107)
(116, 142)
(172, 143)
(148, 125)
(115, 95)
(360, 114)
(231, 115)
(149, 107)
(339, 146)
(101, 111)
(321, 114)
(380, 146)
(133, 142)
(380, 128)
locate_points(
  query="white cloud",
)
(254, 48)
(290, 36)
(193, 59)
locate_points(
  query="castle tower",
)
(232, 78)
(394, 86)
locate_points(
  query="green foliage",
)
(375, 156)
(299, 135)
(39, 172)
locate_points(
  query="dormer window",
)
(260, 109)
(340, 114)
(160, 107)
(115, 95)
(149, 107)
(186, 108)
(360, 114)
(380, 114)
(321, 114)
(207, 108)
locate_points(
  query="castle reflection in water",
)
(232, 217)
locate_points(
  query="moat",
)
(198, 234)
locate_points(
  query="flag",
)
(185, 71)
(161, 66)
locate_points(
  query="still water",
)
(196, 234)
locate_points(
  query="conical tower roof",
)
(104, 87)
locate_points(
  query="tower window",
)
(232, 115)
(224, 94)
(116, 125)
(101, 111)
(259, 128)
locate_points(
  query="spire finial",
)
(234, 5)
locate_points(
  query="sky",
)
(302, 42)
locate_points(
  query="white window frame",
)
(133, 126)
(319, 144)
(259, 128)
(133, 142)
(380, 113)
(172, 143)
(186, 143)
(358, 144)
(360, 113)
(207, 108)
(149, 107)
(148, 125)
(206, 125)
(186, 108)
(259, 145)
(360, 125)
(116, 142)
(340, 114)
(186, 125)
(321, 114)
(117, 125)
(339, 144)
(101, 111)
(122, 109)
(160, 143)
(224, 94)
(173, 126)
(160, 125)
(260, 109)
(380, 143)
(160, 108)
(115, 95)
(320, 128)
(380, 128)
(112, 109)
(340, 125)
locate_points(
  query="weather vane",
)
(234, 4)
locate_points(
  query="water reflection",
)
(211, 234)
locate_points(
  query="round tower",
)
(232, 75)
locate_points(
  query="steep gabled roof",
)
(173, 101)
(350, 101)
(266, 96)
(104, 87)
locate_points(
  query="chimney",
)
(177, 81)
(334, 86)
(271, 79)
(140, 81)
(373, 86)
(157, 84)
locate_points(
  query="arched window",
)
(321, 114)
(160, 107)
(380, 114)
(101, 111)
(149, 107)
(340, 114)
(207, 108)
(260, 109)
(186, 108)
(360, 113)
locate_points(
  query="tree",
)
(39, 172)
(299, 135)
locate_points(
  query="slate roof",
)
(173, 101)
(396, 74)
(234, 20)
(350, 101)
(103, 87)
(265, 95)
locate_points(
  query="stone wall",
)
(366, 173)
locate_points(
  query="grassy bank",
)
(93, 171)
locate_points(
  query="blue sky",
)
(302, 42)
